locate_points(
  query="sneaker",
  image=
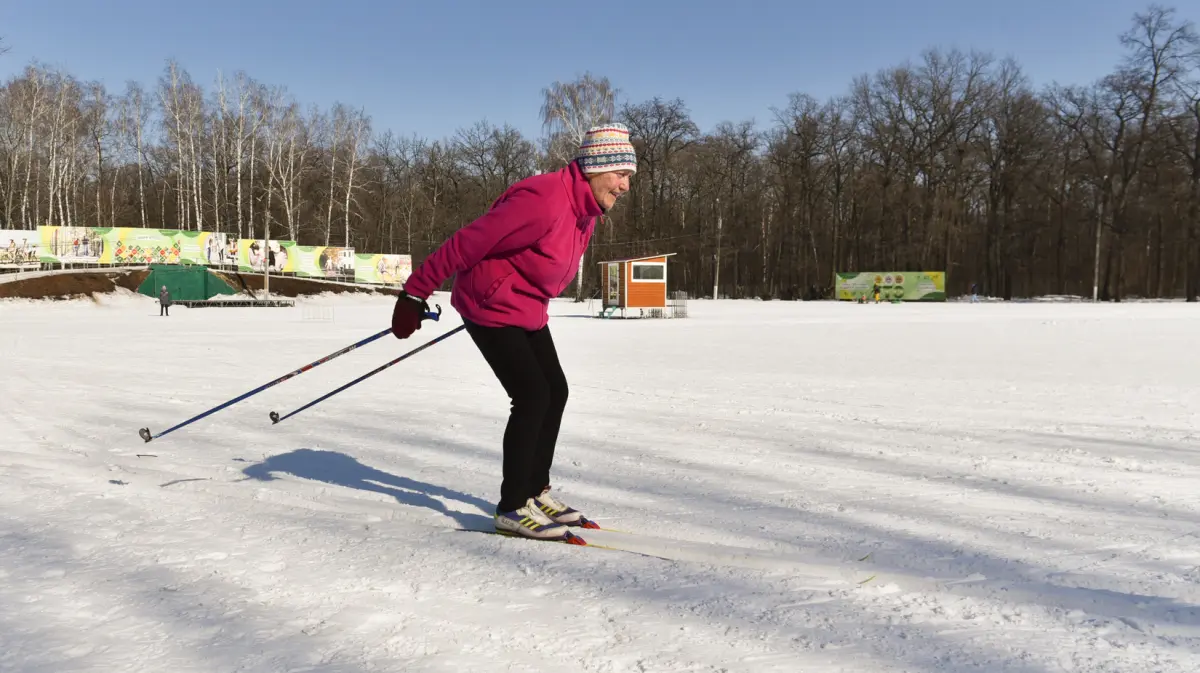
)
(529, 521)
(558, 512)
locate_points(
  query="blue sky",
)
(432, 67)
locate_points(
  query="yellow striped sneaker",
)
(560, 513)
(529, 521)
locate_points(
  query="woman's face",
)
(608, 187)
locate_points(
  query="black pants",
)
(527, 365)
(163, 309)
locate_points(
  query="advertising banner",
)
(252, 253)
(71, 245)
(382, 269)
(205, 248)
(128, 245)
(318, 261)
(893, 285)
(18, 249)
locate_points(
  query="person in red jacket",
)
(507, 265)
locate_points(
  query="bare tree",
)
(663, 129)
(335, 128)
(98, 128)
(288, 146)
(36, 103)
(399, 158)
(494, 157)
(570, 108)
(248, 122)
(133, 123)
(358, 131)
(1185, 130)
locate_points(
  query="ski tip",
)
(274, 417)
(145, 434)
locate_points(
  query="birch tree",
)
(36, 105)
(288, 148)
(248, 123)
(98, 128)
(358, 131)
(133, 121)
(568, 110)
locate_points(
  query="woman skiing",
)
(508, 264)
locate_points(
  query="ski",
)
(707, 553)
(573, 540)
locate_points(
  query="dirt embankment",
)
(73, 285)
(290, 286)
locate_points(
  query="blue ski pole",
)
(275, 417)
(147, 436)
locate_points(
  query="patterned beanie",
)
(606, 148)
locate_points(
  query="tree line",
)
(951, 162)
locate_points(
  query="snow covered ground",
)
(1025, 476)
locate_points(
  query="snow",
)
(1024, 477)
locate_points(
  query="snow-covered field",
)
(1025, 476)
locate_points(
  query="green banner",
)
(73, 245)
(205, 247)
(252, 253)
(382, 269)
(319, 261)
(892, 285)
(127, 245)
(134, 245)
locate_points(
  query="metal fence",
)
(677, 304)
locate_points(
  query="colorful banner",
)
(137, 246)
(382, 269)
(19, 249)
(72, 245)
(252, 253)
(893, 285)
(205, 248)
(318, 261)
(129, 245)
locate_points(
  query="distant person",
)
(164, 302)
(508, 264)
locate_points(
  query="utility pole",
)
(266, 258)
(1099, 230)
(717, 275)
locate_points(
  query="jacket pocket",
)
(495, 288)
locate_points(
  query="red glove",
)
(407, 315)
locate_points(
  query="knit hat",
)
(606, 148)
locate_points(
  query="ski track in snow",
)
(1024, 476)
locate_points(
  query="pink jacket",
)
(524, 251)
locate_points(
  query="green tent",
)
(185, 283)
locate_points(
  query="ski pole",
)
(147, 436)
(275, 417)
